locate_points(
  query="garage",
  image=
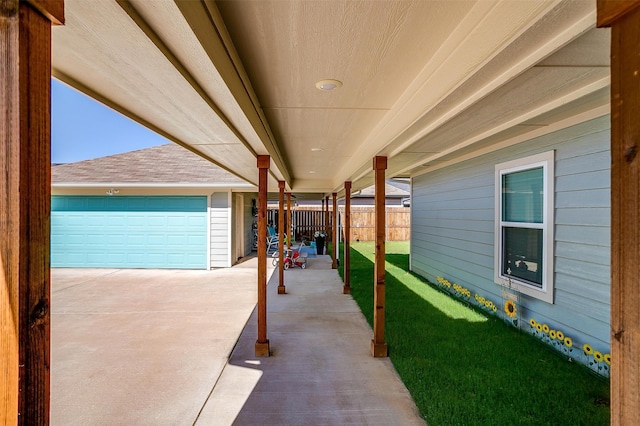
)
(129, 231)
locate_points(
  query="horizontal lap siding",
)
(453, 228)
(220, 216)
(452, 218)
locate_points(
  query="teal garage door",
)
(129, 232)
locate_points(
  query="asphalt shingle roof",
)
(391, 191)
(169, 164)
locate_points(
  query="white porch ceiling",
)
(424, 82)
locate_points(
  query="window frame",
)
(545, 160)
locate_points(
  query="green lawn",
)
(464, 367)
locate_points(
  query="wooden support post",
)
(378, 345)
(321, 217)
(281, 287)
(25, 73)
(334, 229)
(25, 208)
(262, 344)
(290, 231)
(624, 19)
(329, 225)
(326, 224)
(346, 289)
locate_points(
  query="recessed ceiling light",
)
(316, 149)
(328, 84)
(312, 171)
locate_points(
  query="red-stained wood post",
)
(323, 219)
(334, 231)
(289, 227)
(262, 344)
(25, 208)
(624, 19)
(378, 345)
(346, 289)
(326, 224)
(281, 287)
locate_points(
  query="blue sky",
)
(82, 129)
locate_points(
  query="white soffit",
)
(421, 79)
(508, 91)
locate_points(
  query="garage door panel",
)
(156, 240)
(196, 240)
(114, 238)
(114, 258)
(138, 258)
(94, 258)
(157, 221)
(115, 220)
(135, 221)
(96, 221)
(96, 203)
(176, 257)
(129, 232)
(74, 220)
(77, 258)
(155, 256)
(176, 240)
(77, 204)
(196, 258)
(177, 220)
(196, 221)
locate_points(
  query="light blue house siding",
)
(453, 226)
(129, 231)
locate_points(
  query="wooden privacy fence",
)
(307, 220)
(398, 223)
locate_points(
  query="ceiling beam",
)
(206, 23)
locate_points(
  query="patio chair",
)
(272, 242)
(272, 239)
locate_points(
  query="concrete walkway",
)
(320, 371)
(145, 347)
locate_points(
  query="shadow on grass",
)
(472, 372)
(399, 260)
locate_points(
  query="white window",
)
(524, 225)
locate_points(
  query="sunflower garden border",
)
(597, 361)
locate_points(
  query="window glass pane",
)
(522, 196)
(523, 254)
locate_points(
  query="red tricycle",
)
(292, 258)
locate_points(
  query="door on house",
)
(129, 232)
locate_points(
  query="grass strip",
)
(463, 367)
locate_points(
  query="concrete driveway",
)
(143, 346)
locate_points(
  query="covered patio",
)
(315, 99)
